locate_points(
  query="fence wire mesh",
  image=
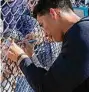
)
(17, 22)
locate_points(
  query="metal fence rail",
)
(17, 23)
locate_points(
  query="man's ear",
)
(54, 13)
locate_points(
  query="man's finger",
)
(13, 47)
(10, 55)
(30, 36)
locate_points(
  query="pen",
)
(32, 41)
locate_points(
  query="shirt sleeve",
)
(33, 74)
(57, 78)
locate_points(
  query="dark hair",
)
(43, 6)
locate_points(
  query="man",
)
(70, 71)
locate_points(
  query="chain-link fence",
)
(17, 23)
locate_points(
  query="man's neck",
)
(70, 20)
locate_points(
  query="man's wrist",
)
(21, 57)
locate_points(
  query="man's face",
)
(51, 26)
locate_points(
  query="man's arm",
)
(63, 76)
(33, 74)
(40, 79)
(69, 70)
(60, 77)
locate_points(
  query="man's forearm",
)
(32, 73)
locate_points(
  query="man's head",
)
(52, 16)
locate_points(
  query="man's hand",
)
(29, 47)
(14, 52)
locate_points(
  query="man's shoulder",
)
(83, 23)
(79, 28)
(82, 27)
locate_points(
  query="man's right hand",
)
(28, 47)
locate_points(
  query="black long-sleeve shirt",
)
(70, 69)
